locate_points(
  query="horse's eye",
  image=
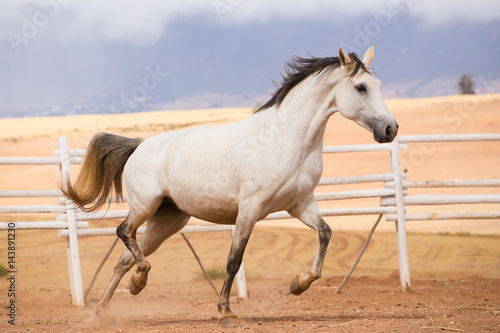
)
(361, 88)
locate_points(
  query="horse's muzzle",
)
(386, 133)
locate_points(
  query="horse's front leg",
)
(243, 228)
(307, 212)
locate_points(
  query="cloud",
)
(136, 22)
(244, 11)
(142, 23)
(139, 23)
(436, 13)
(431, 12)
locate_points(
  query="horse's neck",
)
(307, 108)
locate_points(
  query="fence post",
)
(404, 267)
(73, 252)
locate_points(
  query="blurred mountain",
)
(204, 63)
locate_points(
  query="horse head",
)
(359, 98)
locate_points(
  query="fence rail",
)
(42, 225)
(357, 179)
(37, 160)
(445, 199)
(448, 183)
(393, 194)
(449, 137)
(30, 193)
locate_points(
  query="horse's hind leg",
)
(308, 213)
(127, 232)
(167, 221)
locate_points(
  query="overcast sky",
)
(143, 23)
(53, 51)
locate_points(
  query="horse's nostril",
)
(388, 131)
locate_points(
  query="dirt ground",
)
(365, 305)
(455, 285)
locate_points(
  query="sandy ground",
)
(455, 285)
(366, 305)
(455, 268)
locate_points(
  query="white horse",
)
(235, 174)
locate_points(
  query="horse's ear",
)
(368, 57)
(345, 60)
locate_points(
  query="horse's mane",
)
(298, 69)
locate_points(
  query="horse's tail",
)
(101, 171)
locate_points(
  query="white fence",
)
(71, 221)
(393, 195)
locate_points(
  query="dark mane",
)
(300, 68)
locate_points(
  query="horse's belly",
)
(209, 208)
(218, 215)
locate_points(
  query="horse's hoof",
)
(294, 286)
(230, 322)
(135, 286)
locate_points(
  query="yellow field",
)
(279, 249)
